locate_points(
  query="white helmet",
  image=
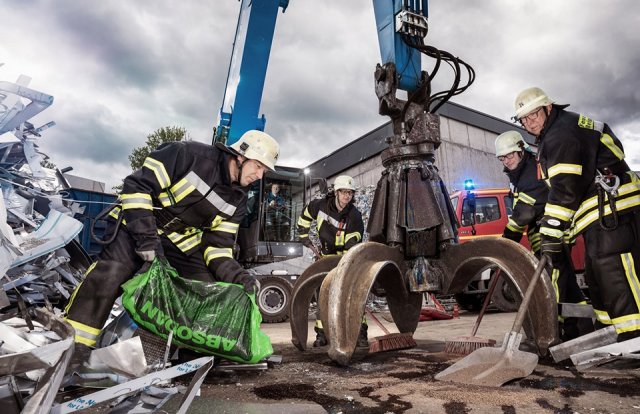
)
(344, 182)
(530, 99)
(259, 146)
(509, 142)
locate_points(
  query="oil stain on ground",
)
(307, 392)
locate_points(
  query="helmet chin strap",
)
(239, 165)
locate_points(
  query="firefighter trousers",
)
(611, 271)
(91, 302)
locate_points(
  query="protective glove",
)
(550, 247)
(251, 285)
(147, 255)
(149, 248)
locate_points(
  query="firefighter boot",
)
(81, 355)
(362, 336)
(321, 339)
(569, 329)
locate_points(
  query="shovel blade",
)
(491, 367)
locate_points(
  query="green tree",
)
(159, 137)
(154, 140)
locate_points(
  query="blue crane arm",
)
(400, 22)
(248, 69)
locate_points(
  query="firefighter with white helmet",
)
(593, 192)
(529, 195)
(339, 226)
(185, 203)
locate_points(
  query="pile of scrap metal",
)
(41, 263)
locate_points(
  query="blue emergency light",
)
(468, 185)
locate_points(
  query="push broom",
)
(390, 341)
(464, 345)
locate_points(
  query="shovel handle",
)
(487, 299)
(517, 324)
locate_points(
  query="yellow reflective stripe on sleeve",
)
(527, 199)
(602, 316)
(303, 236)
(551, 232)
(580, 224)
(181, 189)
(159, 171)
(559, 212)
(304, 223)
(565, 169)
(609, 143)
(164, 198)
(350, 236)
(226, 227)
(513, 226)
(212, 253)
(136, 200)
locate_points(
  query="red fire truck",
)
(493, 206)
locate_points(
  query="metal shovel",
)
(496, 366)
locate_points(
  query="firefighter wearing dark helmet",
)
(593, 192)
(185, 203)
(529, 196)
(339, 225)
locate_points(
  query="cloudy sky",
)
(119, 69)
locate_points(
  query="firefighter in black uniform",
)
(593, 192)
(529, 198)
(339, 225)
(185, 203)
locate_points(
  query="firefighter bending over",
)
(339, 225)
(185, 203)
(593, 192)
(529, 198)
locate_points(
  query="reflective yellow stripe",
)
(226, 227)
(84, 334)
(602, 316)
(627, 323)
(555, 275)
(304, 223)
(303, 236)
(164, 198)
(215, 253)
(159, 171)
(609, 143)
(527, 199)
(350, 236)
(565, 169)
(583, 222)
(189, 243)
(136, 200)
(551, 232)
(181, 189)
(340, 239)
(513, 226)
(630, 271)
(557, 211)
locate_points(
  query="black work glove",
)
(550, 247)
(149, 248)
(250, 282)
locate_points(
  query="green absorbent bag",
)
(213, 318)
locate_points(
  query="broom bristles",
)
(465, 345)
(391, 342)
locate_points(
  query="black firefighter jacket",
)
(184, 192)
(529, 198)
(572, 149)
(338, 230)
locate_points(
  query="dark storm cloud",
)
(145, 65)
